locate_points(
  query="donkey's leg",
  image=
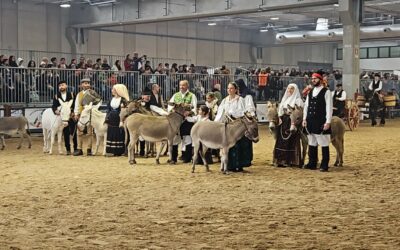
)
(304, 145)
(158, 154)
(203, 152)
(341, 150)
(196, 146)
(98, 139)
(104, 144)
(20, 140)
(52, 139)
(45, 141)
(131, 148)
(336, 146)
(29, 139)
(3, 143)
(59, 140)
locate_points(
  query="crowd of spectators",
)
(38, 82)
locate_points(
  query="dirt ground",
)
(58, 202)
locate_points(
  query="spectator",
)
(82, 63)
(116, 67)
(53, 63)
(12, 62)
(128, 63)
(105, 65)
(72, 65)
(97, 65)
(20, 61)
(62, 64)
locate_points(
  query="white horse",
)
(95, 118)
(54, 124)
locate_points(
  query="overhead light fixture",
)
(212, 24)
(274, 18)
(65, 5)
(263, 30)
(336, 5)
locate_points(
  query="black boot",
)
(312, 158)
(187, 154)
(325, 160)
(89, 152)
(78, 152)
(142, 145)
(174, 156)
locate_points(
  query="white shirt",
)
(328, 101)
(234, 107)
(376, 90)
(343, 97)
(193, 103)
(197, 118)
(115, 102)
(249, 105)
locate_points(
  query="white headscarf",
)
(122, 91)
(291, 100)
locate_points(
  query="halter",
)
(89, 121)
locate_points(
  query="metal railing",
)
(35, 86)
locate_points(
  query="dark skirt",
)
(287, 150)
(115, 135)
(240, 155)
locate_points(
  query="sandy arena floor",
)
(58, 202)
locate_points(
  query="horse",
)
(338, 128)
(376, 105)
(217, 135)
(53, 125)
(90, 115)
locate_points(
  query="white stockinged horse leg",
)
(104, 144)
(45, 132)
(52, 139)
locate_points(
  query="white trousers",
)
(318, 139)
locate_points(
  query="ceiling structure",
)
(376, 12)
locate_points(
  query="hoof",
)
(207, 169)
(19, 147)
(157, 161)
(29, 146)
(172, 162)
(132, 162)
(2, 148)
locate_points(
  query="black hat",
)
(339, 85)
(377, 74)
(146, 91)
(61, 82)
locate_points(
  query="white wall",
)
(291, 54)
(28, 26)
(374, 64)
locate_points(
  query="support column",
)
(351, 59)
(350, 14)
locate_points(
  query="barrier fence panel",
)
(34, 86)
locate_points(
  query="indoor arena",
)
(193, 124)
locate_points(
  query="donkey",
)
(155, 129)
(210, 134)
(272, 117)
(53, 125)
(338, 128)
(92, 116)
(12, 125)
(135, 106)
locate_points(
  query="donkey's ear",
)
(276, 104)
(296, 106)
(290, 107)
(60, 101)
(171, 104)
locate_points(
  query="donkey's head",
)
(132, 107)
(65, 111)
(272, 114)
(296, 117)
(182, 109)
(86, 115)
(251, 125)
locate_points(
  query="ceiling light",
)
(212, 24)
(336, 5)
(274, 18)
(263, 30)
(65, 5)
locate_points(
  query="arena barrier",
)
(37, 86)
